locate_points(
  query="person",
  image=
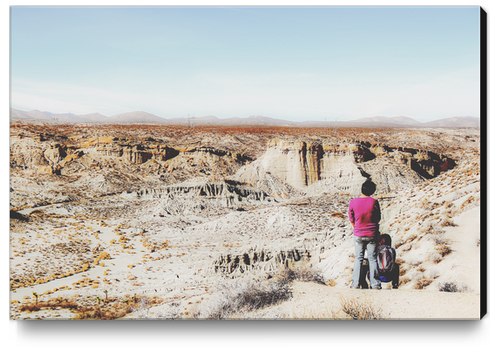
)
(392, 276)
(364, 215)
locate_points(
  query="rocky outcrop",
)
(265, 259)
(301, 164)
(200, 197)
(260, 260)
(426, 163)
(205, 189)
(61, 153)
(343, 165)
(139, 153)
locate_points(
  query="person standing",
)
(364, 215)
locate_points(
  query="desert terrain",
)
(114, 221)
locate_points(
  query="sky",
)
(293, 63)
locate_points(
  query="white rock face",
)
(287, 164)
(301, 165)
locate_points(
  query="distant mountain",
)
(257, 120)
(205, 120)
(66, 117)
(405, 120)
(18, 113)
(233, 121)
(135, 117)
(60, 117)
(144, 117)
(399, 120)
(94, 117)
(36, 114)
(455, 122)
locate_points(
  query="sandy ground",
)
(312, 300)
(309, 300)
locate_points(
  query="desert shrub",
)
(241, 295)
(141, 308)
(403, 281)
(411, 238)
(438, 231)
(444, 250)
(448, 223)
(448, 287)
(422, 283)
(109, 309)
(435, 258)
(403, 270)
(441, 241)
(452, 287)
(399, 244)
(359, 310)
(302, 274)
(28, 307)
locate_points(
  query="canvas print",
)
(248, 163)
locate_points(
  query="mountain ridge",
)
(145, 117)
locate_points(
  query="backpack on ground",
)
(386, 259)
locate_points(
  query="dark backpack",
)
(386, 259)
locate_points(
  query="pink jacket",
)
(365, 213)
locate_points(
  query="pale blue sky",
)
(294, 63)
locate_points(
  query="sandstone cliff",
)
(341, 166)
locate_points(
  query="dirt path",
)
(311, 300)
(465, 257)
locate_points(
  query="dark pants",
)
(392, 277)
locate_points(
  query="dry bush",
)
(411, 238)
(28, 307)
(403, 269)
(109, 309)
(438, 231)
(303, 274)
(448, 223)
(235, 299)
(422, 283)
(359, 310)
(240, 295)
(452, 287)
(142, 308)
(435, 258)
(441, 240)
(444, 250)
(403, 281)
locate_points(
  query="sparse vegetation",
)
(452, 287)
(236, 296)
(444, 250)
(304, 274)
(239, 295)
(82, 309)
(115, 179)
(359, 310)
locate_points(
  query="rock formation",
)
(180, 210)
(301, 164)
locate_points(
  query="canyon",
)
(167, 212)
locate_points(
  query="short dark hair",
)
(368, 188)
(386, 238)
